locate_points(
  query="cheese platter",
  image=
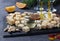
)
(30, 23)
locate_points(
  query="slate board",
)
(32, 32)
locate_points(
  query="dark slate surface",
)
(3, 13)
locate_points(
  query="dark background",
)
(3, 13)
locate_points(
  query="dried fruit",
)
(10, 8)
(34, 16)
(51, 38)
(20, 5)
